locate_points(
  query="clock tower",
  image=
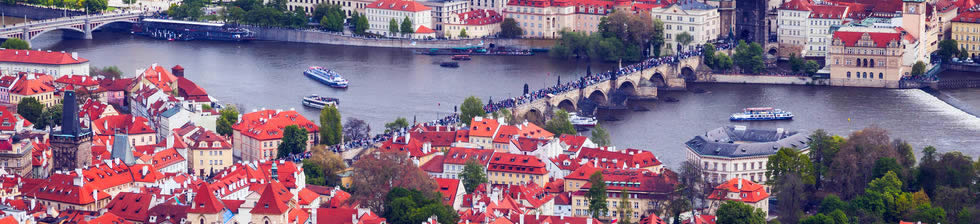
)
(914, 17)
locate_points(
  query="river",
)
(388, 83)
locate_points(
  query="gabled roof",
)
(109, 218)
(131, 206)
(750, 192)
(269, 124)
(127, 123)
(448, 189)
(270, 203)
(516, 163)
(9, 119)
(797, 5)
(306, 196)
(424, 29)
(59, 187)
(77, 80)
(39, 57)
(480, 17)
(528, 144)
(483, 127)
(459, 156)
(31, 84)
(168, 213)
(398, 5)
(205, 202)
(160, 77)
(434, 165)
(191, 91)
(166, 158)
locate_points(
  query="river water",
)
(388, 83)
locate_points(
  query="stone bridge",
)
(641, 84)
(81, 25)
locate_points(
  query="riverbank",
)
(760, 79)
(319, 37)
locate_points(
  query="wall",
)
(36, 13)
(306, 36)
(759, 79)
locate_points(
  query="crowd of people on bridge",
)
(590, 79)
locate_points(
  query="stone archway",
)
(534, 116)
(598, 97)
(65, 31)
(567, 105)
(658, 80)
(773, 51)
(627, 88)
(688, 74)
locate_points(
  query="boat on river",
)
(449, 64)
(325, 76)
(761, 114)
(319, 102)
(582, 121)
(461, 57)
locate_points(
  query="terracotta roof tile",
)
(398, 5)
(39, 57)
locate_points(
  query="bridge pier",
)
(27, 35)
(88, 30)
(645, 93)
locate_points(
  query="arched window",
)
(865, 62)
(865, 75)
(202, 220)
(872, 63)
(848, 74)
(881, 75)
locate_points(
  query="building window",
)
(848, 76)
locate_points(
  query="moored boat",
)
(761, 114)
(582, 120)
(319, 102)
(449, 64)
(328, 77)
(461, 57)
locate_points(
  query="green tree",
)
(830, 203)
(723, 61)
(792, 197)
(95, 5)
(839, 217)
(30, 109)
(885, 165)
(393, 27)
(510, 29)
(331, 130)
(407, 26)
(323, 167)
(823, 148)
(657, 41)
(399, 124)
(748, 57)
(507, 115)
(811, 67)
(362, 25)
(796, 63)
(948, 49)
(733, 212)
(684, 38)
(228, 117)
(928, 214)
(919, 68)
(462, 33)
(819, 218)
(625, 208)
(473, 175)
(16, 44)
(600, 136)
(964, 53)
(51, 117)
(294, 141)
(597, 195)
(560, 124)
(709, 55)
(235, 14)
(789, 161)
(413, 206)
(471, 107)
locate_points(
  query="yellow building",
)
(869, 57)
(208, 152)
(644, 189)
(542, 18)
(966, 32)
(507, 168)
(34, 85)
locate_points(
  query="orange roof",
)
(459, 156)
(269, 124)
(160, 77)
(483, 127)
(269, 202)
(448, 188)
(750, 192)
(77, 80)
(129, 124)
(399, 5)
(39, 57)
(131, 206)
(205, 202)
(423, 29)
(306, 196)
(108, 218)
(798, 5)
(516, 163)
(480, 17)
(31, 84)
(880, 39)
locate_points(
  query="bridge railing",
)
(70, 19)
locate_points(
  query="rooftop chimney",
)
(74, 55)
(178, 71)
(69, 115)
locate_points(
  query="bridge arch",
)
(627, 87)
(567, 105)
(99, 26)
(688, 73)
(658, 80)
(534, 116)
(73, 29)
(598, 96)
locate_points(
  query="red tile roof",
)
(109, 218)
(269, 124)
(480, 17)
(880, 39)
(166, 157)
(483, 127)
(628, 158)
(398, 5)
(459, 156)
(167, 213)
(191, 91)
(160, 77)
(424, 29)
(131, 206)
(114, 84)
(205, 202)
(39, 57)
(343, 216)
(77, 80)
(306, 196)
(516, 163)
(448, 188)
(968, 17)
(60, 188)
(544, 219)
(298, 216)
(434, 165)
(528, 144)
(207, 138)
(643, 180)
(798, 5)
(10, 118)
(750, 192)
(31, 84)
(270, 202)
(540, 3)
(93, 109)
(575, 141)
(129, 124)
(701, 219)
(828, 12)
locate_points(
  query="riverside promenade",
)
(320, 37)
